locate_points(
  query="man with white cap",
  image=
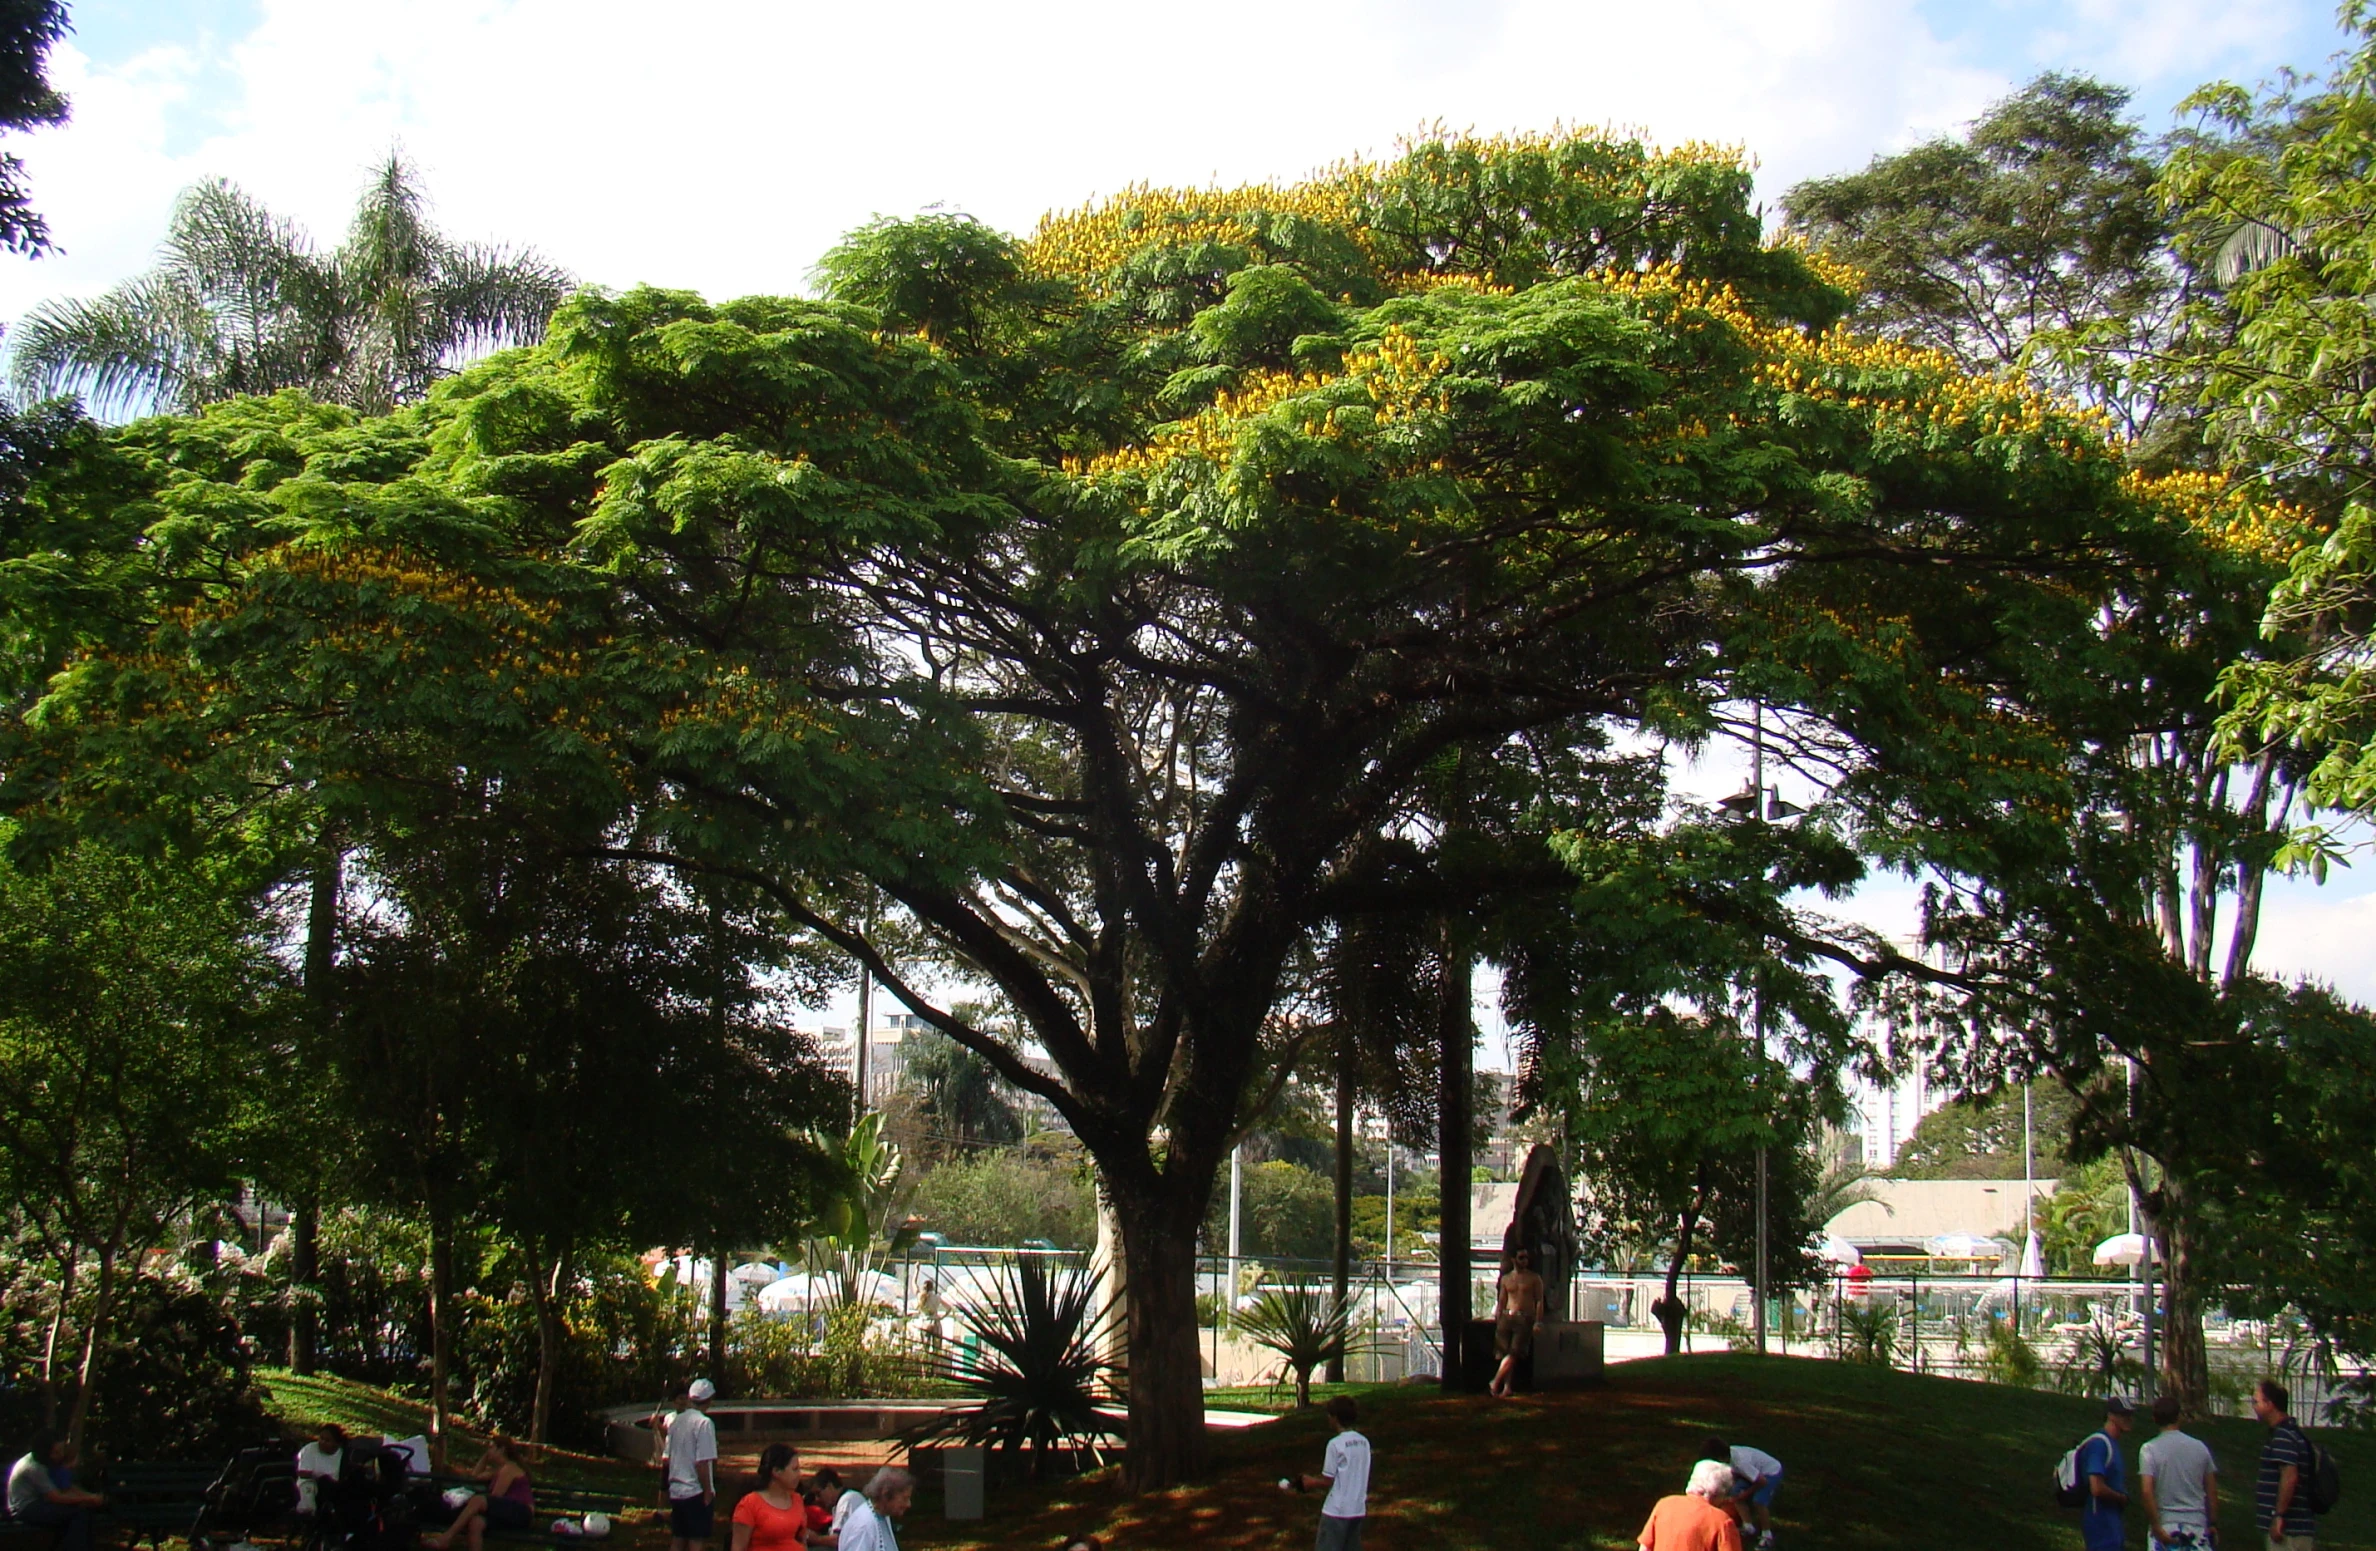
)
(691, 1452)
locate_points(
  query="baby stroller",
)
(370, 1507)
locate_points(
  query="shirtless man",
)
(1517, 1304)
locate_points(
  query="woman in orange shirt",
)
(771, 1516)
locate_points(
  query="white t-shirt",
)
(1347, 1467)
(313, 1463)
(692, 1438)
(851, 1497)
(865, 1529)
(29, 1486)
(1753, 1465)
(2181, 1467)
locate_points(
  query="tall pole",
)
(1761, 1250)
(1389, 1203)
(865, 1038)
(2029, 1177)
(1757, 780)
(1237, 1185)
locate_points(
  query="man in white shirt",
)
(1346, 1470)
(1757, 1476)
(319, 1461)
(691, 1450)
(869, 1525)
(2181, 1484)
(37, 1499)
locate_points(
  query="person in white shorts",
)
(2181, 1483)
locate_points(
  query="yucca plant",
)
(1302, 1324)
(1037, 1370)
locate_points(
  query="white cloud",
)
(724, 145)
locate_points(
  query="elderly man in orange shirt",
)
(1693, 1521)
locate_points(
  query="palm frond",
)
(489, 297)
(144, 345)
(2253, 245)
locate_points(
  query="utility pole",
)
(1237, 1183)
(865, 1037)
(1757, 782)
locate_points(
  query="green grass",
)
(1277, 1399)
(1873, 1458)
(301, 1405)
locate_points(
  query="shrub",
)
(1305, 1325)
(1036, 1374)
(176, 1382)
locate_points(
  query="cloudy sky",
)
(722, 145)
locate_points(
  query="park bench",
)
(552, 1502)
(155, 1500)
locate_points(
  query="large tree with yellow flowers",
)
(1103, 618)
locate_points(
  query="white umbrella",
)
(755, 1273)
(1841, 1253)
(1967, 1246)
(2033, 1259)
(2123, 1249)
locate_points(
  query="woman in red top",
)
(771, 1517)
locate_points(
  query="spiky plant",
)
(241, 301)
(1305, 1325)
(1038, 1372)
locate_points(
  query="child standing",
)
(1345, 1470)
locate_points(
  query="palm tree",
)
(241, 301)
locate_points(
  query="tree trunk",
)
(546, 1291)
(717, 1315)
(1669, 1310)
(441, 1328)
(305, 1269)
(1341, 1281)
(321, 954)
(1166, 1374)
(2185, 1362)
(86, 1383)
(70, 1262)
(1456, 1040)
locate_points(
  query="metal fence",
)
(2075, 1335)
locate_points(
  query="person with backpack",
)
(2098, 1476)
(2180, 1483)
(2281, 1499)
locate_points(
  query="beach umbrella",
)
(2033, 1259)
(1967, 1246)
(2122, 1249)
(1842, 1253)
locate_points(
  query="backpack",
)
(2322, 1482)
(2070, 1488)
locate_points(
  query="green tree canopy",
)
(1128, 627)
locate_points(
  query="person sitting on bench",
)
(40, 1493)
(509, 1502)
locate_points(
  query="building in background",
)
(1882, 1115)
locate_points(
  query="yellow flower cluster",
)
(1096, 239)
(1091, 242)
(733, 699)
(2225, 513)
(1400, 382)
(1420, 284)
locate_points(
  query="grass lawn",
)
(302, 1404)
(1873, 1459)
